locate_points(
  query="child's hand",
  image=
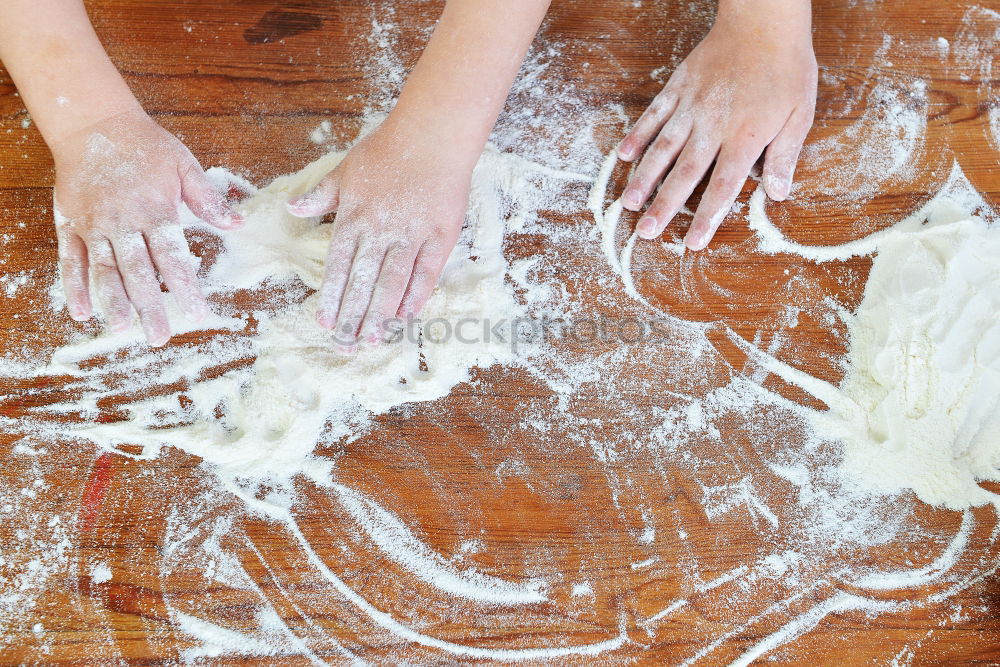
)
(118, 187)
(400, 201)
(749, 86)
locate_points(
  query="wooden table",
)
(244, 83)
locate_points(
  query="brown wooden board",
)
(243, 83)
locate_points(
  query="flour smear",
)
(261, 391)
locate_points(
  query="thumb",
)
(205, 201)
(322, 199)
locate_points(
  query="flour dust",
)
(260, 398)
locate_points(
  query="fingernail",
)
(624, 152)
(325, 319)
(695, 241)
(632, 199)
(157, 338)
(778, 187)
(647, 227)
(197, 310)
(301, 206)
(78, 313)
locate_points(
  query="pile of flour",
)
(918, 407)
(924, 377)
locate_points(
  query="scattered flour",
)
(887, 143)
(299, 390)
(995, 123)
(322, 133)
(917, 409)
(394, 538)
(10, 283)
(100, 573)
(256, 424)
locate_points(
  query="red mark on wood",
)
(93, 493)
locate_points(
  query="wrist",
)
(70, 119)
(766, 17)
(447, 135)
(71, 137)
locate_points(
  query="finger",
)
(358, 294)
(730, 173)
(691, 165)
(169, 251)
(142, 287)
(650, 122)
(655, 163)
(783, 153)
(108, 285)
(426, 269)
(339, 258)
(205, 201)
(322, 199)
(397, 267)
(73, 266)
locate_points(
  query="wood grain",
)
(243, 83)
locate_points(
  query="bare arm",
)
(401, 194)
(748, 88)
(61, 70)
(461, 81)
(119, 176)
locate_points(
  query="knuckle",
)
(660, 104)
(688, 171)
(101, 255)
(660, 208)
(132, 266)
(397, 275)
(664, 142)
(726, 183)
(146, 312)
(398, 247)
(101, 269)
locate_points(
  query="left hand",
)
(748, 88)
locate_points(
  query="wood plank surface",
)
(243, 83)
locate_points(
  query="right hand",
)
(400, 198)
(749, 88)
(119, 184)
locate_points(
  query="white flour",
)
(886, 142)
(918, 407)
(924, 378)
(664, 412)
(299, 391)
(277, 408)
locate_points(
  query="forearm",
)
(60, 68)
(459, 86)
